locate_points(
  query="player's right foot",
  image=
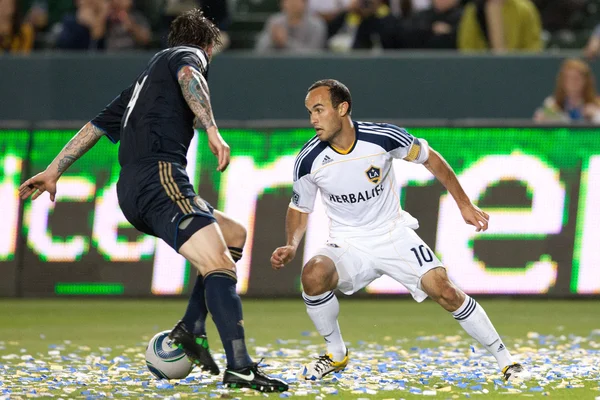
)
(252, 377)
(324, 365)
(515, 372)
(195, 347)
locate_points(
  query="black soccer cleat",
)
(252, 377)
(195, 347)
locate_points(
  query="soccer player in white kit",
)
(350, 163)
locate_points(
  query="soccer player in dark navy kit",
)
(154, 121)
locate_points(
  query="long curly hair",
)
(193, 28)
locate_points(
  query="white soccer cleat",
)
(515, 372)
(323, 366)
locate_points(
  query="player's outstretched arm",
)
(45, 181)
(195, 91)
(295, 227)
(437, 165)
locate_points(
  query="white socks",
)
(476, 323)
(324, 310)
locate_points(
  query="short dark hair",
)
(338, 92)
(193, 28)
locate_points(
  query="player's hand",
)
(279, 35)
(219, 148)
(474, 216)
(42, 182)
(282, 255)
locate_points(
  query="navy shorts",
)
(156, 197)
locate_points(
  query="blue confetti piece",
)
(462, 385)
(285, 395)
(415, 390)
(473, 349)
(536, 389)
(305, 333)
(476, 387)
(164, 385)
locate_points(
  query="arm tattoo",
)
(195, 91)
(85, 139)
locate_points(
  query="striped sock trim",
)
(317, 302)
(225, 273)
(236, 253)
(466, 313)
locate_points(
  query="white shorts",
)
(401, 254)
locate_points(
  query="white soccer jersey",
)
(358, 188)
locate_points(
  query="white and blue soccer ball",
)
(165, 360)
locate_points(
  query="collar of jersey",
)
(349, 150)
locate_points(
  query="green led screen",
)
(540, 187)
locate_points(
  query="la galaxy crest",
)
(374, 174)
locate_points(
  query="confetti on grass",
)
(438, 365)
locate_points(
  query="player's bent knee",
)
(234, 232)
(239, 234)
(206, 250)
(318, 276)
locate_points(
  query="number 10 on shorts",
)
(423, 254)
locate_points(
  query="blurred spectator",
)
(373, 19)
(558, 14)
(592, 49)
(366, 24)
(86, 29)
(331, 11)
(15, 35)
(104, 24)
(44, 14)
(293, 29)
(575, 97)
(434, 28)
(500, 25)
(127, 28)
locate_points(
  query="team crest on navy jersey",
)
(201, 204)
(374, 174)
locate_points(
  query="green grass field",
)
(74, 348)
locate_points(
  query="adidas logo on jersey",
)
(500, 348)
(327, 160)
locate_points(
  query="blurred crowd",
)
(307, 25)
(334, 25)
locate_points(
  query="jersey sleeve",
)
(409, 148)
(191, 56)
(305, 193)
(109, 119)
(305, 188)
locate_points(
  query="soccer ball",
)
(165, 360)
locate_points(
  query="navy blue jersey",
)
(151, 117)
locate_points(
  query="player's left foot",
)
(252, 377)
(324, 365)
(515, 371)
(195, 347)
